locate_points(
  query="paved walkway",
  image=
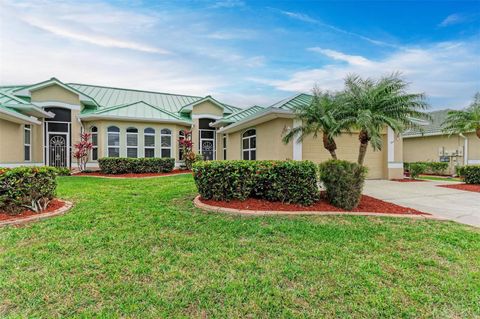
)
(456, 205)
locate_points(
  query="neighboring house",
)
(40, 123)
(430, 143)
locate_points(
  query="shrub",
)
(436, 168)
(285, 181)
(27, 187)
(460, 170)
(122, 165)
(63, 171)
(343, 182)
(471, 174)
(416, 169)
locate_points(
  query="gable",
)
(207, 107)
(55, 92)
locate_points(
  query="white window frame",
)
(127, 133)
(27, 127)
(108, 140)
(224, 146)
(249, 149)
(181, 137)
(94, 147)
(145, 147)
(164, 147)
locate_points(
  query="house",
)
(40, 123)
(430, 144)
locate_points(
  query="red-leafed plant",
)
(82, 150)
(186, 145)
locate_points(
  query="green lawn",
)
(440, 178)
(138, 248)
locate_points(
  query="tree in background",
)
(464, 121)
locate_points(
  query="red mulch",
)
(133, 175)
(463, 187)
(406, 180)
(367, 204)
(53, 205)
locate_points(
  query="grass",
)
(138, 248)
(439, 178)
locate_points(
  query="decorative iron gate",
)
(57, 151)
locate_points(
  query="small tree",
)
(186, 145)
(82, 150)
(465, 121)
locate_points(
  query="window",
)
(113, 141)
(149, 142)
(94, 137)
(181, 137)
(166, 143)
(224, 146)
(27, 140)
(249, 145)
(132, 142)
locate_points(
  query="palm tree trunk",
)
(330, 145)
(363, 138)
(477, 131)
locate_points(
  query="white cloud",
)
(452, 19)
(236, 34)
(448, 72)
(228, 4)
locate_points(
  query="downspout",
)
(465, 149)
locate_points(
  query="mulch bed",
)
(133, 175)
(367, 204)
(463, 187)
(406, 180)
(52, 206)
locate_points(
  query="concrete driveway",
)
(456, 205)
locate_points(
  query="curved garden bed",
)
(132, 175)
(369, 206)
(54, 208)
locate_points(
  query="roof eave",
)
(93, 117)
(269, 113)
(19, 118)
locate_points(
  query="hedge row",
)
(437, 168)
(27, 187)
(123, 165)
(284, 181)
(471, 174)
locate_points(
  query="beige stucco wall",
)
(11, 143)
(102, 136)
(55, 92)
(347, 149)
(207, 107)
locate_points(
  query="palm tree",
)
(468, 120)
(321, 115)
(371, 105)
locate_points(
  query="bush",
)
(285, 181)
(122, 165)
(435, 168)
(460, 170)
(63, 171)
(416, 169)
(471, 174)
(27, 187)
(343, 182)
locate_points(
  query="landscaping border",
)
(129, 177)
(246, 212)
(60, 211)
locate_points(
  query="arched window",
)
(166, 143)
(181, 137)
(149, 142)
(132, 142)
(249, 145)
(94, 138)
(113, 141)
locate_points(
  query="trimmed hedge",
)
(471, 174)
(27, 187)
(123, 165)
(343, 182)
(416, 169)
(436, 168)
(284, 181)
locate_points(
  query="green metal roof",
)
(433, 127)
(294, 101)
(240, 115)
(136, 110)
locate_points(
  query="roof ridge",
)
(244, 110)
(135, 90)
(114, 107)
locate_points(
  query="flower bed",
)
(132, 175)
(55, 207)
(463, 187)
(367, 204)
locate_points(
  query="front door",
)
(208, 149)
(57, 150)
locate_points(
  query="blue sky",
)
(244, 52)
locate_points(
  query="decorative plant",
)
(82, 150)
(186, 146)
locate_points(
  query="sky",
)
(244, 52)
